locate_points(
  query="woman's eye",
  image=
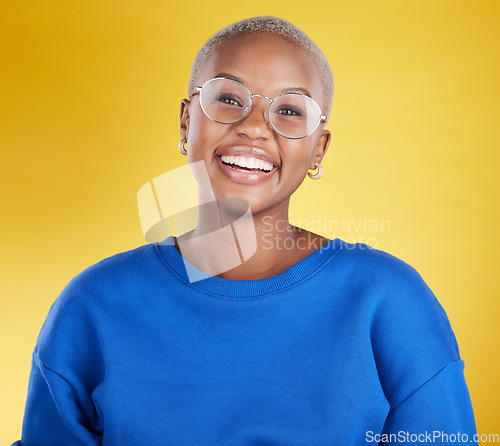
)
(229, 100)
(288, 111)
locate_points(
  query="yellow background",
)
(89, 113)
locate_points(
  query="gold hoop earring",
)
(181, 146)
(318, 174)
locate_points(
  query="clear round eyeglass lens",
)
(294, 115)
(225, 101)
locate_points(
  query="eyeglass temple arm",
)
(195, 91)
(324, 118)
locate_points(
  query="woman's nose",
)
(255, 125)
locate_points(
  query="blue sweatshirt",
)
(348, 346)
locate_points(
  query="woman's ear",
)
(321, 147)
(184, 118)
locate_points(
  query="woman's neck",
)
(231, 242)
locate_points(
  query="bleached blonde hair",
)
(265, 24)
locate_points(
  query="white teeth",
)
(264, 165)
(248, 162)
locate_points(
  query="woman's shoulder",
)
(374, 264)
(392, 289)
(117, 267)
(107, 279)
(98, 290)
(124, 259)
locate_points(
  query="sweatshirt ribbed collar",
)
(298, 272)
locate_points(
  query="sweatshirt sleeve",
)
(438, 412)
(53, 415)
(418, 360)
(66, 370)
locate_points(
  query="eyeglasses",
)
(291, 115)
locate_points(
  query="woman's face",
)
(268, 65)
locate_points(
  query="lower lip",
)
(242, 176)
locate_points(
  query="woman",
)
(225, 337)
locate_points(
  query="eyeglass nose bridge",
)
(266, 114)
(261, 96)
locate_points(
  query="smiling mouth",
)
(246, 163)
(245, 169)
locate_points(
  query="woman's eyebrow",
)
(229, 76)
(284, 90)
(296, 90)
